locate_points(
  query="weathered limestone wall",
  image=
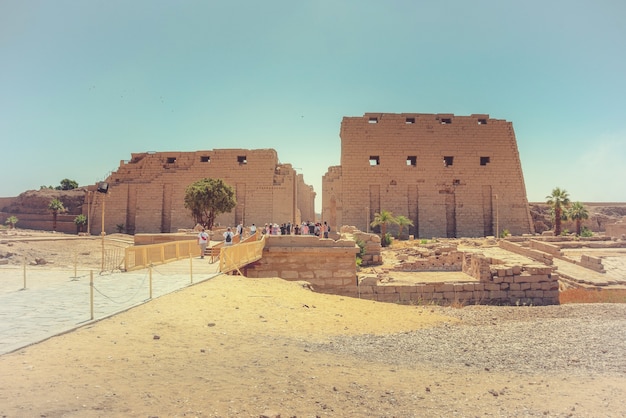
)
(616, 230)
(328, 265)
(65, 223)
(534, 254)
(146, 193)
(373, 247)
(453, 176)
(495, 284)
(593, 263)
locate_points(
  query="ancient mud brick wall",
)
(328, 265)
(453, 176)
(146, 193)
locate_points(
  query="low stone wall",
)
(616, 230)
(373, 247)
(65, 223)
(449, 261)
(536, 255)
(546, 247)
(328, 265)
(504, 285)
(593, 263)
(148, 239)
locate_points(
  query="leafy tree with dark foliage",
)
(207, 198)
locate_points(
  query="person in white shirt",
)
(203, 241)
(228, 237)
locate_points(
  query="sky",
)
(85, 83)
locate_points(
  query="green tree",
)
(578, 213)
(55, 206)
(383, 219)
(402, 221)
(80, 221)
(67, 184)
(207, 198)
(11, 221)
(559, 202)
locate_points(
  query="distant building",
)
(146, 193)
(452, 176)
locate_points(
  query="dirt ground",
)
(234, 346)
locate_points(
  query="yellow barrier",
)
(141, 256)
(235, 256)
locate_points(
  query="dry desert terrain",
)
(239, 347)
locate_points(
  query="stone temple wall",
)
(452, 176)
(146, 193)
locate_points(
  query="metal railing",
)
(142, 256)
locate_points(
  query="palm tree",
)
(383, 218)
(558, 201)
(578, 213)
(55, 206)
(11, 221)
(402, 221)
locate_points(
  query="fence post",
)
(91, 292)
(150, 275)
(24, 263)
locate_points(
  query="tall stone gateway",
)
(452, 176)
(146, 193)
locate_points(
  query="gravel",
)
(573, 339)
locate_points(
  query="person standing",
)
(253, 229)
(228, 237)
(203, 241)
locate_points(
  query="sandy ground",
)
(234, 346)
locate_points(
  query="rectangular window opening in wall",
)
(241, 159)
(411, 160)
(205, 159)
(373, 120)
(456, 182)
(410, 121)
(482, 121)
(374, 160)
(171, 160)
(446, 121)
(447, 161)
(484, 160)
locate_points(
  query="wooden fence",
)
(142, 256)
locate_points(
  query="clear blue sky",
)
(83, 84)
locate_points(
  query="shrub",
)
(361, 253)
(586, 232)
(387, 240)
(505, 233)
(11, 221)
(120, 228)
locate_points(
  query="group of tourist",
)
(305, 228)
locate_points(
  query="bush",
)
(120, 228)
(11, 221)
(505, 233)
(586, 232)
(361, 253)
(388, 239)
